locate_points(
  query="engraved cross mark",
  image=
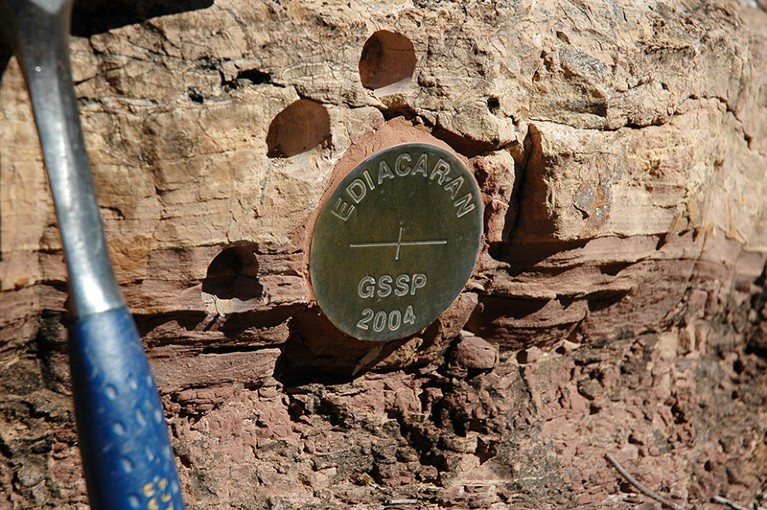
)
(398, 244)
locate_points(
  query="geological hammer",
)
(127, 457)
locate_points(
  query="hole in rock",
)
(493, 104)
(301, 126)
(195, 95)
(387, 58)
(233, 273)
(254, 76)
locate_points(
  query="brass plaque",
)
(396, 242)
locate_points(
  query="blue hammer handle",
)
(124, 444)
(127, 457)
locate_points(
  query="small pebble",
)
(529, 355)
(475, 353)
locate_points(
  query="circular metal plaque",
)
(396, 242)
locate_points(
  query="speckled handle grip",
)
(124, 443)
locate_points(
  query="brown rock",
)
(620, 150)
(529, 355)
(474, 353)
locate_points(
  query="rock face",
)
(617, 304)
